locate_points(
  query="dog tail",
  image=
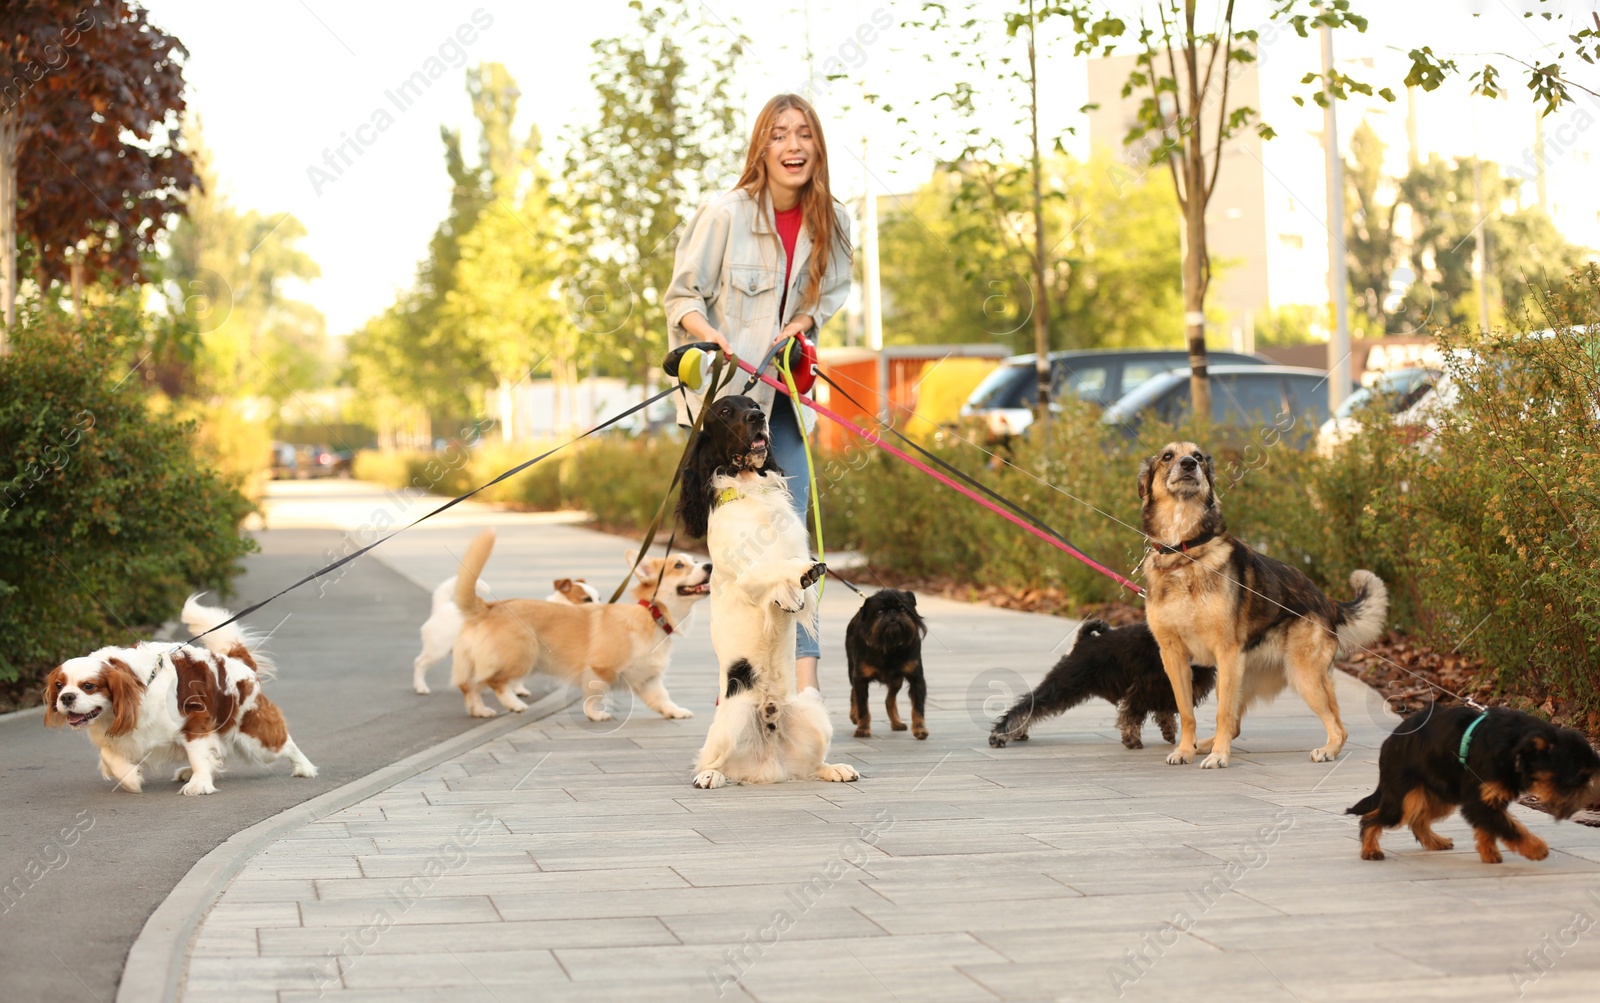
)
(1361, 619)
(1366, 804)
(467, 598)
(1065, 686)
(235, 640)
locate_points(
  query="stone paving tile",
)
(951, 871)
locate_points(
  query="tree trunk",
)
(10, 147)
(1194, 305)
(1041, 305)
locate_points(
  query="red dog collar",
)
(655, 611)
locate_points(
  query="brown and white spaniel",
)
(157, 702)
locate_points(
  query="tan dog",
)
(592, 646)
(1214, 601)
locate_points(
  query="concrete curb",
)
(159, 957)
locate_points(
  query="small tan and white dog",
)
(444, 623)
(161, 702)
(593, 646)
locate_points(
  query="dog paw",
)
(482, 712)
(182, 774)
(308, 770)
(422, 689)
(1323, 755)
(1215, 761)
(521, 690)
(1204, 745)
(195, 787)
(919, 732)
(897, 726)
(708, 780)
(838, 773)
(597, 716)
(676, 713)
(1132, 742)
(1180, 756)
(1373, 854)
(1532, 847)
(812, 575)
(862, 731)
(788, 599)
(1020, 738)
(997, 741)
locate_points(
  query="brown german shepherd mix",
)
(1214, 601)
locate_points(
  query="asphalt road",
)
(344, 684)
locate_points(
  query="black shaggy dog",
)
(1120, 665)
(1443, 757)
(884, 644)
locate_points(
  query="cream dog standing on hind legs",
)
(763, 589)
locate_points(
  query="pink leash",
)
(844, 422)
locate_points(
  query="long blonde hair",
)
(816, 200)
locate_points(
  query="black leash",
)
(1038, 523)
(449, 504)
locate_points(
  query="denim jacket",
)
(728, 268)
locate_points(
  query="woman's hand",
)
(697, 325)
(796, 328)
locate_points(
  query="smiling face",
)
(790, 156)
(682, 578)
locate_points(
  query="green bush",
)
(108, 521)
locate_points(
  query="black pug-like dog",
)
(1443, 757)
(884, 644)
(1120, 665)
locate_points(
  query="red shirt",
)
(789, 222)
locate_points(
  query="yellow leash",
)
(782, 361)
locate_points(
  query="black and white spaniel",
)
(763, 589)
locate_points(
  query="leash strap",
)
(519, 468)
(1039, 528)
(717, 383)
(1053, 540)
(1466, 737)
(805, 445)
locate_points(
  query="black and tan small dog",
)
(1212, 600)
(1120, 665)
(1444, 757)
(883, 644)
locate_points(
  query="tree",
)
(1369, 227)
(1009, 195)
(502, 306)
(1187, 107)
(1576, 37)
(1111, 280)
(667, 137)
(90, 168)
(1524, 248)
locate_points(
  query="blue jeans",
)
(789, 451)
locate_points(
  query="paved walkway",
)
(572, 860)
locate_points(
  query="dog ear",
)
(694, 494)
(648, 569)
(1147, 470)
(911, 598)
(563, 584)
(127, 692)
(1532, 754)
(52, 717)
(1211, 474)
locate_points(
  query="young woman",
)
(766, 261)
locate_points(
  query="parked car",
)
(1248, 404)
(323, 461)
(1399, 392)
(285, 461)
(1004, 400)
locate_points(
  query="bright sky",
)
(279, 82)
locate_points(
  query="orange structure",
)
(886, 381)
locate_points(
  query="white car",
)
(1412, 395)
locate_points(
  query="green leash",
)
(1466, 737)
